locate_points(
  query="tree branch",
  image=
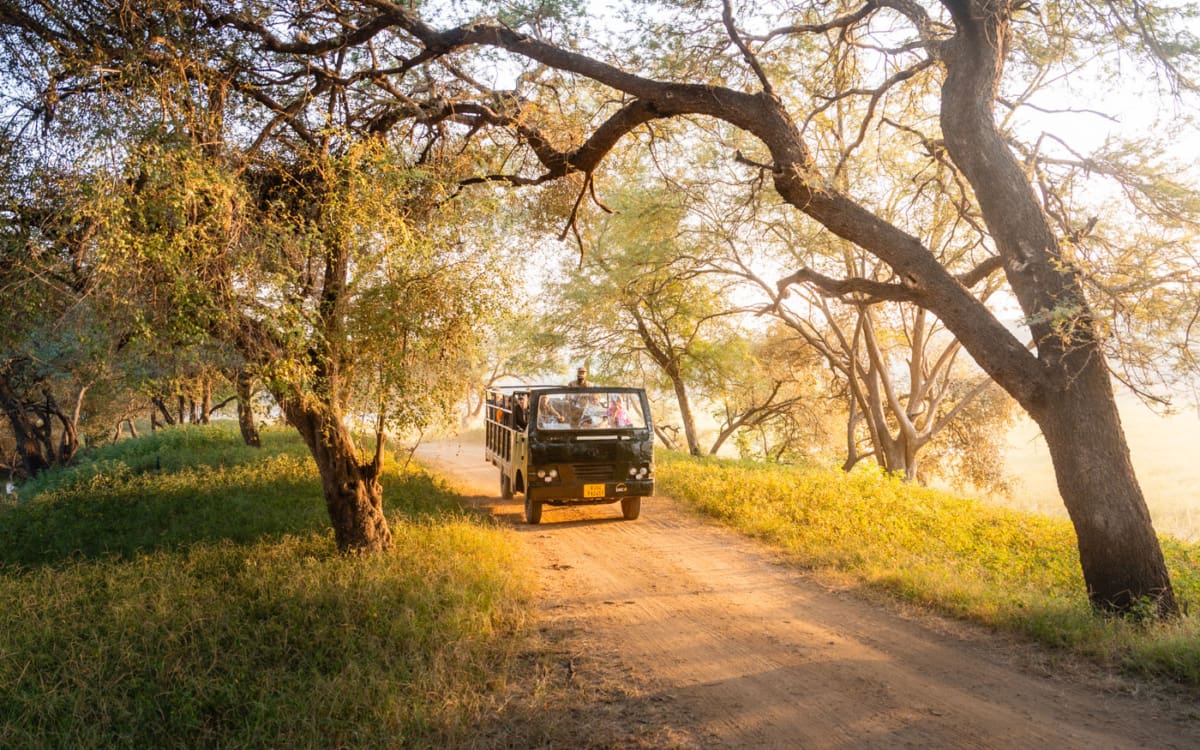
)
(872, 291)
(747, 55)
(981, 271)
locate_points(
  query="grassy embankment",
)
(1013, 570)
(184, 591)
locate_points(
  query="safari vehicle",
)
(571, 446)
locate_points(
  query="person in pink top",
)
(617, 416)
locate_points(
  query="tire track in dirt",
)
(748, 653)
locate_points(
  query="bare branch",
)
(747, 55)
(819, 28)
(872, 291)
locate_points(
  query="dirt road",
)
(730, 648)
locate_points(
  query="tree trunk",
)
(353, 495)
(669, 440)
(1072, 400)
(685, 414)
(24, 426)
(245, 408)
(206, 401)
(133, 433)
(68, 443)
(161, 406)
(1119, 552)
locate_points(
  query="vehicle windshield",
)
(590, 411)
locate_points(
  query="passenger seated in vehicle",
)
(521, 413)
(617, 416)
(549, 416)
(593, 414)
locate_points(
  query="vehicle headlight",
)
(541, 473)
(553, 474)
(633, 471)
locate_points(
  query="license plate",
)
(593, 490)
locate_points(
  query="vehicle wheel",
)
(505, 487)
(631, 508)
(533, 511)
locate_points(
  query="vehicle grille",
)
(593, 472)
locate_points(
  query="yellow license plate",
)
(593, 490)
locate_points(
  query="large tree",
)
(254, 202)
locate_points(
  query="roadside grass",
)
(1011, 570)
(182, 590)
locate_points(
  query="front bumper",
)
(580, 494)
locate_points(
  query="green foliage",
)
(234, 627)
(1008, 569)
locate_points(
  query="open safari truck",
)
(571, 446)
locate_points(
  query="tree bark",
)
(68, 442)
(353, 495)
(1119, 552)
(245, 408)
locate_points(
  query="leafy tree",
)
(768, 386)
(640, 295)
(54, 347)
(270, 213)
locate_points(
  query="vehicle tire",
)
(505, 486)
(533, 511)
(631, 508)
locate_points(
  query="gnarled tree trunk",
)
(353, 495)
(24, 425)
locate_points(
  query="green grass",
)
(1012, 570)
(184, 591)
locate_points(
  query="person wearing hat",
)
(580, 380)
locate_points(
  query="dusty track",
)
(735, 649)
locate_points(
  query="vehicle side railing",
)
(499, 425)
